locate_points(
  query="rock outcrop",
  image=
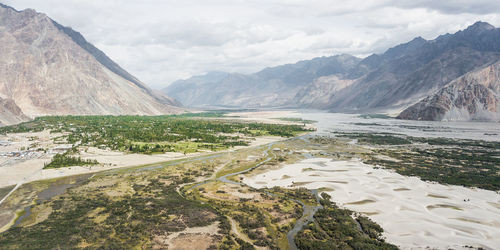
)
(320, 92)
(10, 113)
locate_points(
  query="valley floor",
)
(319, 191)
(16, 170)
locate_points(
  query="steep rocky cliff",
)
(48, 69)
(474, 96)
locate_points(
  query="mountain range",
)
(49, 69)
(392, 81)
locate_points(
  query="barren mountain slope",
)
(48, 69)
(474, 96)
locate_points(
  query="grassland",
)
(129, 209)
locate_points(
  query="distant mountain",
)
(274, 86)
(49, 69)
(412, 71)
(474, 96)
(394, 80)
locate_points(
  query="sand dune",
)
(413, 213)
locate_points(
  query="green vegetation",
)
(458, 166)
(155, 134)
(379, 139)
(335, 228)
(65, 160)
(378, 116)
(458, 143)
(107, 217)
(212, 114)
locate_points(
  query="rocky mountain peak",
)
(418, 39)
(27, 12)
(479, 27)
(405, 48)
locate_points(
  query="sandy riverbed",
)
(414, 214)
(265, 116)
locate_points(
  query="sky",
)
(160, 41)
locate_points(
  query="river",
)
(338, 122)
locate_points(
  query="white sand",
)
(413, 213)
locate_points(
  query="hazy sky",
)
(160, 41)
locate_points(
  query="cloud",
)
(453, 7)
(161, 41)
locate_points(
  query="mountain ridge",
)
(258, 89)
